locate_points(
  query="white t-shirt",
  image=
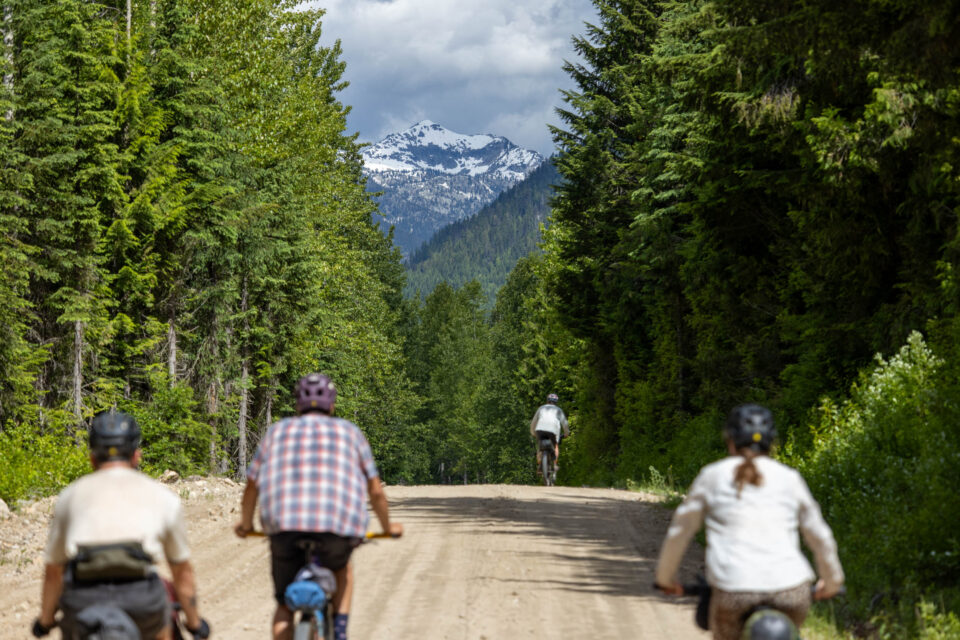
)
(752, 540)
(550, 417)
(118, 504)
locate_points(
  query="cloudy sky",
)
(473, 66)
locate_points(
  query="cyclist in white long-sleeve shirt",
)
(548, 422)
(753, 508)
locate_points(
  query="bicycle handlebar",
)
(701, 588)
(370, 535)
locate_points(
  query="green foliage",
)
(185, 229)
(755, 198)
(883, 465)
(39, 464)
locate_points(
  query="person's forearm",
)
(684, 525)
(378, 501)
(248, 504)
(185, 585)
(50, 595)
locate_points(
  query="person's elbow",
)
(375, 489)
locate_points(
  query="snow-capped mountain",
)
(431, 176)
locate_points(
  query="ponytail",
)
(747, 472)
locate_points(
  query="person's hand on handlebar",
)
(820, 591)
(674, 589)
(242, 529)
(395, 530)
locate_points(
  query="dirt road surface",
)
(477, 562)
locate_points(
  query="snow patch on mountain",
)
(431, 147)
(431, 176)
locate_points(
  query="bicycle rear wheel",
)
(546, 467)
(305, 630)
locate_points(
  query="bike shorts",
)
(729, 609)
(546, 435)
(145, 601)
(288, 556)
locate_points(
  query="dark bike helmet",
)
(553, 398)
(314, 392)
(769, 624)
(114, 435)
(751, 425)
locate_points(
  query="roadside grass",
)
(658, 484)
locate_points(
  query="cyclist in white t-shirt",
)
(753, 508)
(108, 529)
(548, 422)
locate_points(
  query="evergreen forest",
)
(755, 202)
(486, 246)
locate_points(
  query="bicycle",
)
(548, 466)
(310, 595)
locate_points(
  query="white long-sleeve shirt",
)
(752, 541)
(550, 417)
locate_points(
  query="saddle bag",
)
(117, 562)
(304, 595)
(104, 622)
(310, 589)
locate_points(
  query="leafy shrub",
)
(35, 463)
(172, 437)
(885, 465)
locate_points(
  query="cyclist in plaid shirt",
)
(313, 474)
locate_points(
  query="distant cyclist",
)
(548, 423)
(313, 474)
(108, 528)
(753, 508)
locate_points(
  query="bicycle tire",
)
(546, 467)
(305, 630)
(328, 623)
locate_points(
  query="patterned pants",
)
(727, 609)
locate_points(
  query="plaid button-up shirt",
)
(311, 473)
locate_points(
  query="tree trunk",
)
(8, 53)
(172, 351)
(244, 392)
(269, 410)
(212, 421)
(129, 26)
(78, 370)
(242, 421)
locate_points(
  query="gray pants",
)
(145, 601)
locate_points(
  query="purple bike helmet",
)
(553, 398)
(314, 392)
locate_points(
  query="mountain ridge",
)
(430, 176)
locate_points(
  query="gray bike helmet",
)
(769, 624)
(113, 435)
(553, 398)
(315, 392)
(751, 425)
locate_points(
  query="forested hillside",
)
(485, 247)
(184, 230)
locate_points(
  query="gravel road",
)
(477, 562)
